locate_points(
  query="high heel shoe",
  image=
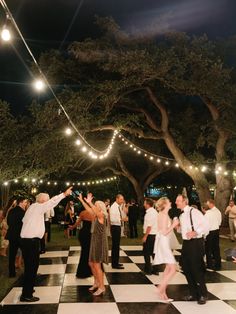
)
(99, 292)
(93, 288)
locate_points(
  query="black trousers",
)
(30, 251)
(115, 249)
(213, 249)
(193, 266)
(148, 247)
(133, 232)
(14, 245)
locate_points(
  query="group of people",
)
(199, 232)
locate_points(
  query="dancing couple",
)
(194, 227)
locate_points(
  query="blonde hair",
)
(161, 203)
(102, 206)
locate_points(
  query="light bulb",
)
(78, 142)
(6, 35)
(39, 85)
(68, 131)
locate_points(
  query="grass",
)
(58, 241)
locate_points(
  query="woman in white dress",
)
(162, 247)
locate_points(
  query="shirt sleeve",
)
(44, 207)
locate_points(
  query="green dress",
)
(99, 244)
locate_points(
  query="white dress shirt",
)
(214, 218)
(200, 223)
(150, 220)
(49, 214)
(115, 214)
(33, 221)
(232, 211)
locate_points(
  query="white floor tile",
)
(72, 280)
(52, 269)
(178, 279)
(134, 293)
(132, 247)
(73, 259)
(177, 253)
(55, 254)
(75, 248)
(211, 307)
(88, 308)
(137, 259)
(224, 290)
(46, 294)
(128, 267)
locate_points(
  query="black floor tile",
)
(71, 268)
(73, 294)
(122, 259)
(74, 253)
(44, 280)
(134, 253)
(177, 292)
(150, 308)
(232, 303)
(127, 278)
(29, 309)
(159, 268)
(214, 277)
(52, 260)
(228, 266)
(64, 248)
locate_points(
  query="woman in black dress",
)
(85, 219)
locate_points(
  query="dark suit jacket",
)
(14, 221)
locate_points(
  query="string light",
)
(67, 183)
(44, 82)
(39, 85)
(5, 34)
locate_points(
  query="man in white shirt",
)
(149, 231)
(231, 210)
(116, 221)
(193, 227)
(214, 219)
(32, 231)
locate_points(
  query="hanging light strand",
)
(34, 181)
(9, 14)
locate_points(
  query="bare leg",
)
(168, 274)
(100, 275)
(95, 284)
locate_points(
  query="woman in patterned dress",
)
(98, 253)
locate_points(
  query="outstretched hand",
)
(89, 198)
(68, 191)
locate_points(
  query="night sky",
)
(55, 23)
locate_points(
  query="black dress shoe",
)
(120, 264)
(202, 300)
(189, 298)
(32, 299)
(118, 267)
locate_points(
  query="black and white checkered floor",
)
(127, 291)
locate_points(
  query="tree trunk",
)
(224, 188)
(139, 192)
(199, 179)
